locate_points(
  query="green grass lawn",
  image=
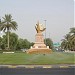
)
(23, 58)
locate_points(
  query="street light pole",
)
(49, 35)
(45, 31)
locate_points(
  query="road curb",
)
(37, 66)
(64, 66)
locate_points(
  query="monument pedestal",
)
(39, 46)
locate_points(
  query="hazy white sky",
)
(58, 13)
(74, 13)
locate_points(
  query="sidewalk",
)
(39, 66)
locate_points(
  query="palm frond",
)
(14, 25)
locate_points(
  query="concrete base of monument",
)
(39, 47)
(39, 51)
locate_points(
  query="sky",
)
(59, 16)
(74, 13)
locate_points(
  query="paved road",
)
(37, 71)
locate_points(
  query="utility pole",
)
(45, 31)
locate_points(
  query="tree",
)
(0, 42)
(49, 43)
(3, 42)
(23, 44)
(68, 43)
(13, 41)
(31, 44)
(72, 38)
(72, 30)
(7, 24)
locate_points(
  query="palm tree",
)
(72, 32)
(66, 43)
(7, 24)
(69, 41)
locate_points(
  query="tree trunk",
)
(8, 38)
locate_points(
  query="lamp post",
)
(49, 35)
(45, 31)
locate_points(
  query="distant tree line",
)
(15, 42)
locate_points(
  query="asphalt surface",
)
(37, 71)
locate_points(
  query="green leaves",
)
(69, 42)
(7, 24)
(23, 44)
(49, 43)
